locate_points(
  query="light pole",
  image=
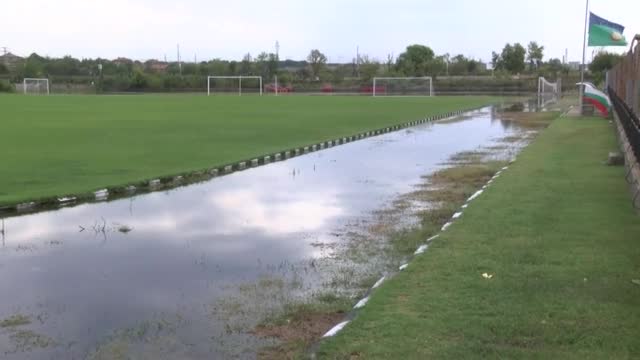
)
(99, 88)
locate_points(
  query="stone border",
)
(192, 177)
(631, 163)
(420, 250)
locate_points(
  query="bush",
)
(6, 86)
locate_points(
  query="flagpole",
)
(584, 53)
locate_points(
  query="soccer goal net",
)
(548, 89)
(402, 86)
(238, 85)
(32, 86)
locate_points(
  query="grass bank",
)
(70, 144)
(559, 235)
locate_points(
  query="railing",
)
(629, 120)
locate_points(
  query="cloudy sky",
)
(143, 29)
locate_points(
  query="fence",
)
(629, 120)
(623, 85)
(624, 78)
(156, 83)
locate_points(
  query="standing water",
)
(155, 275)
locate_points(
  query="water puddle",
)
(185, 273)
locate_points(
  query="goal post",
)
(402, 86)
(37, 86)
(547, 88)
(234, 84)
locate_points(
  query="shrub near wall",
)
(6, 86)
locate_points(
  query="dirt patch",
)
(298, 332)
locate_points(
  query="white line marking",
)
(361, 303)
(334, 330)
(475, 195)
(421, 249)
(378, 283)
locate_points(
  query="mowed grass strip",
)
(559, 235)
(68, 144)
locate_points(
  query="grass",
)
(60, 145)
(559, 235)
(387, 239)
(15, 321)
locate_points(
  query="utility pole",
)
(179, 63)
(5, 50)
(358, 61)
(277, 50)
(584, 51)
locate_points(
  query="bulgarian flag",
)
(596, 98)
(604, 32)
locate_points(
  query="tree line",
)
(417, 60)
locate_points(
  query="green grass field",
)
(59, 145)
(559, 235)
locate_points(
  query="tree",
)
(246, 65)
(34, 66)
(139, 80)
(535, 53)
(272, 64)
(417, 60)
(459, 65)
(3, 69)
(554, 68)
(368, 68)
(317, 61)
(496, 61)
(390, 62)
(602, 62)
(267, 65)
(511, 58)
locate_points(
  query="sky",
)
(207, 29)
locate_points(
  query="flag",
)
(597, 98)
(604, 32)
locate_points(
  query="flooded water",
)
(151, 275)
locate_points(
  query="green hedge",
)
(6, 86)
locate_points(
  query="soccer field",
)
(59, 145)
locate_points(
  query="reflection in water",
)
(86, 284)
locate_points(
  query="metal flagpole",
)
(584, 53)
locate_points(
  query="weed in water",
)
(15, 321)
